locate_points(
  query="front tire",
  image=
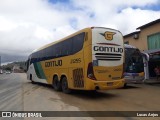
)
(56, 84)
(65, 88)
(30, 77)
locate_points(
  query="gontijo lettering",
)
(53, 63)
(107, 49)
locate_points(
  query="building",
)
(147, 39)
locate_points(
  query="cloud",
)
(129, 19)
(6, 25)
(29, 24)
(123, 15)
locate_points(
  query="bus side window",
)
(66, 47)
(77, 42)
(57, 50)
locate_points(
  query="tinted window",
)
(48, 52)
(77, 42)
(133, 60)
(57, 50)
(64, 48)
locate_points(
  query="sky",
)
(26, 25)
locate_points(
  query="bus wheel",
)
(56, 84)
(31, 79)
(125, 85)
(32, 82)
(65, 88)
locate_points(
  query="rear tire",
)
(125, 85)
(56, 84)
(65, 88)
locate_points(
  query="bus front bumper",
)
(134, 79)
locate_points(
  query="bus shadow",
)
(130, 87)
(43, 85)
(153, 84)
(80, 93)
(93, 94)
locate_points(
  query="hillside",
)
(9, 66)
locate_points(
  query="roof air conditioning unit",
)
(136, 36)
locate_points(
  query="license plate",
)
(110, 84)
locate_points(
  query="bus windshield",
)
(133, 61)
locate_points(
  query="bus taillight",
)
(90, 72)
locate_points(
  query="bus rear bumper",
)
(106, 85)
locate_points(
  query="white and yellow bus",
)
(90, 59)
(134, 66)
